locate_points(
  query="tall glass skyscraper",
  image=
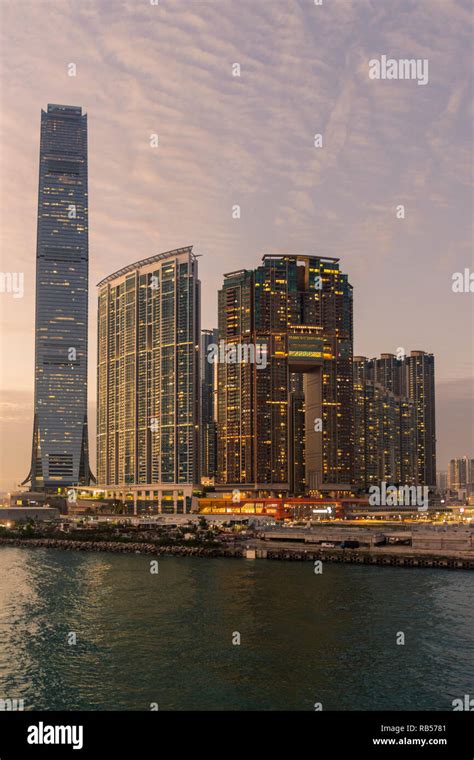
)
(60, 455)
(148, 393)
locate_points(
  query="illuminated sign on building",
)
(305, 348)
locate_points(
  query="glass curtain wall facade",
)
(60, 456)
(148, 372)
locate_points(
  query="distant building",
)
(442, 481)
(25, 514)
(27, 499)
(460, 475)
(60, 450)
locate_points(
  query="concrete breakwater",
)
(356, 557)
(387, 559)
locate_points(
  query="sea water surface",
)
(166, 639)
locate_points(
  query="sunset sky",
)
(166, 69)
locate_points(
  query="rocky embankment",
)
(120, 547)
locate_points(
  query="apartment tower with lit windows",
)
(395, 431)
(287, 425)
(148, 393)
(385, 430)
(419, 385)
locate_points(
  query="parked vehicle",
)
(349, 544)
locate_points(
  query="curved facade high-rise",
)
(148, 376)
(60, 456)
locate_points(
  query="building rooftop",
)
(54, 107)
(236, 272)
(146, 262)
(278, 256)
(299, 256)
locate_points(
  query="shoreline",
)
(346, 556)
(119, 547)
